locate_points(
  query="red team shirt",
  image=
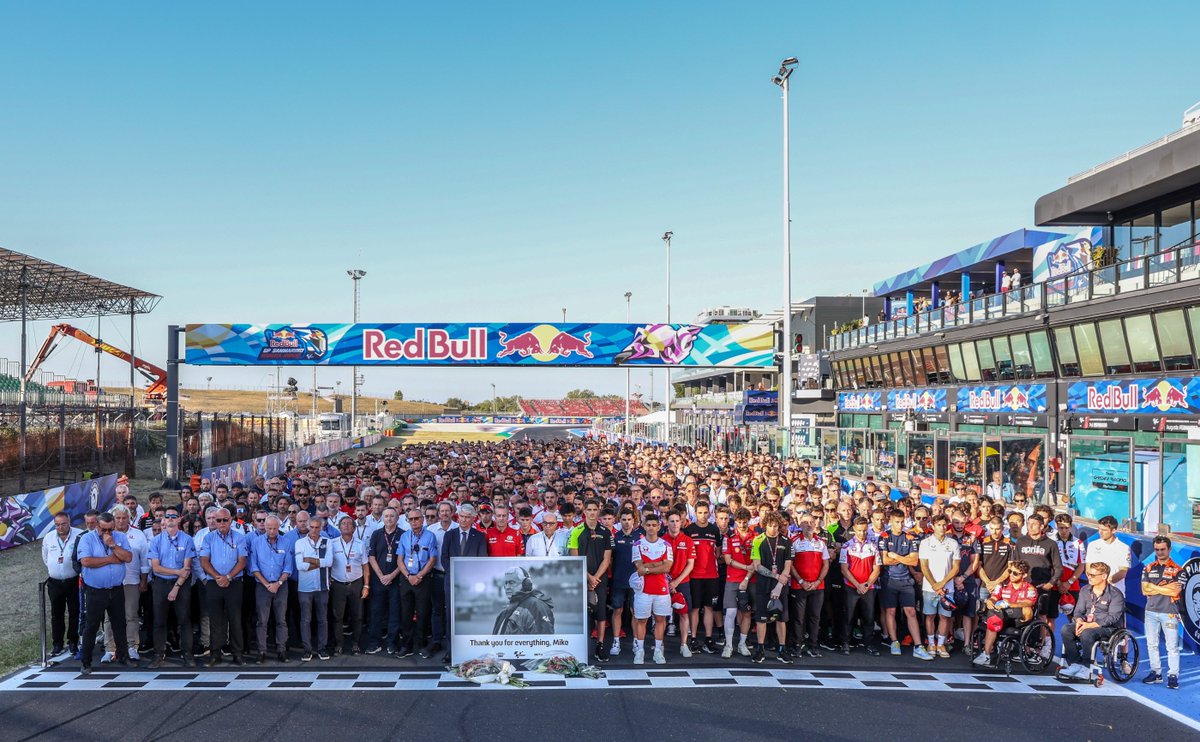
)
(506, 543)
(684, 549)
(653, 553)
(738, 549)
(860, 557)
(1012, 594)
(809, 555)
(706, 539)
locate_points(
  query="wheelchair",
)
(1118, 654)
(1030, 643)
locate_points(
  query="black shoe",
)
(828, 646)
(214, 661)
(872, 650)
(355, 652)
(85, 670)
(73, 648)
(157, 662)
(709, 648)
(283, 657)
(201, 651)
(403, 652)
(846, 649)
(782, 656)
(56, 650)
(322, 654)
(1172, 682)
(374, 650)
(813, 652)
(391, 651)
(237, 659)
(759, 657)
(601, 655)
(306, 657)
(262, 658)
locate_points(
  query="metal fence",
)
(64, 442)
(207, 440)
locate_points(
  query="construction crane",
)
(155, 392)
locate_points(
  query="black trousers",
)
(64, 598)
(100, 602)
(806, 616)
(346, 597)
(833, 613)
(249, 617)
(225, 614)
(416, 611)
(864, 605)
(181, 607)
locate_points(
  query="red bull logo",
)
(425, 345)
(1016, 399)
(1114, 398)
(917, 401)
(864, 402)
(1164, 396)
(545, 343)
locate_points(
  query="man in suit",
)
(463, 540)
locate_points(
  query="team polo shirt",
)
(109, 575)
(994, 555)
(622, 561)
(966, 553)
(273, 560)
(653, 552)
(772, 553)
(506, 543)
(224, 551)
(860, 558)
(592, 544)
(900, 545)
(940, 555)
(708, 545)
(1114, 553)
(171, 551)
(1071, 552)
(737, 548)
(809, 556)
(684, 551)
(1024, 594)
(1158, 573)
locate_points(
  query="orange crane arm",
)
(155, 375)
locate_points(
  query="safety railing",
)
(1176, 264)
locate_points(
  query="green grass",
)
(21, 570)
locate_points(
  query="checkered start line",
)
(67, 680)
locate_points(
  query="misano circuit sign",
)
(481, 344)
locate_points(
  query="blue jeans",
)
(1169, 624)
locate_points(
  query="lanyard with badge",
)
(62, 547)
(413, 554)
(346, 553)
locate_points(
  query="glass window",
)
(1121, 235)
(885, 371)
(871, 370)
(904, 367)
(987, 362)
(943, 364)
(893, 361)
(1112, 340)
(1142, 240)
(956, 364)
(970, 361)
(860, 374)
(1043, 359)
(1022, 359)
(1088, 348)
(929, 366)
(1004, 361)
(1194, 321)
(1068, 363)
(1173, 340)
(1176, 226)
(1140, 332)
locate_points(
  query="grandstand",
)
(595, 407)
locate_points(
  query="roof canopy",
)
(55, 291)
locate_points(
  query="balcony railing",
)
(1174, 265)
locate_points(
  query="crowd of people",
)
(692, 550)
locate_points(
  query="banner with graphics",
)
(917, 400)
(481, 344)
(1024, 398)
(26, 518)
(1161, 396)
(274, 464)
(1065, 255)
(860, 402)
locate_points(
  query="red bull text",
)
(426, 345)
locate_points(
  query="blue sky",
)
(497, 162)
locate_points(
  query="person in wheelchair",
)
(1010, 604)
(1099, 612)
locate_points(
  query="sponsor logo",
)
(1164, 396)
(860, 402)
(1115, 398)
(293, 344)
(425, 345)
(545, 343)
(916, 401)
(1189, 599)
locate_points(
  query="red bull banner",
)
(860, 402)
(1156, 396)
(917, 400)
(1023, 398)
(481, 344)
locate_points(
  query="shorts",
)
(684, 591)
(931, 605)
(898, 595)
(705, 592)
(622, 597)
(761, 591)
(730, 596)
(644, 605)
(968, 600)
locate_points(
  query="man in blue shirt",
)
(271, 564)
(623, 543)
(223, 556)
(103, 554)
(418, 552)
(171, 553)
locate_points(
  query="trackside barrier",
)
(274, 464)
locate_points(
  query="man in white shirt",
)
(314, 558)
(137, 572)
(551, 542)
(62, 582)
(939, 559)
(1016, 279)
(346, 588)
(1107, 548)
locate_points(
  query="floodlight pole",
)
(356, 276)
(785, 386)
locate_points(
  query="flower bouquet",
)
(489, 669)
(565, 665)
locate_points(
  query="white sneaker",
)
(107, 658)
(659, 657)
(133, 654)
(727, 652)
(982, 658)
(639, 656)
(684, 651)
(958, 634)
(743, 650)
(670, 629)
(616, 649)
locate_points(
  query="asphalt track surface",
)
(602, 713)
